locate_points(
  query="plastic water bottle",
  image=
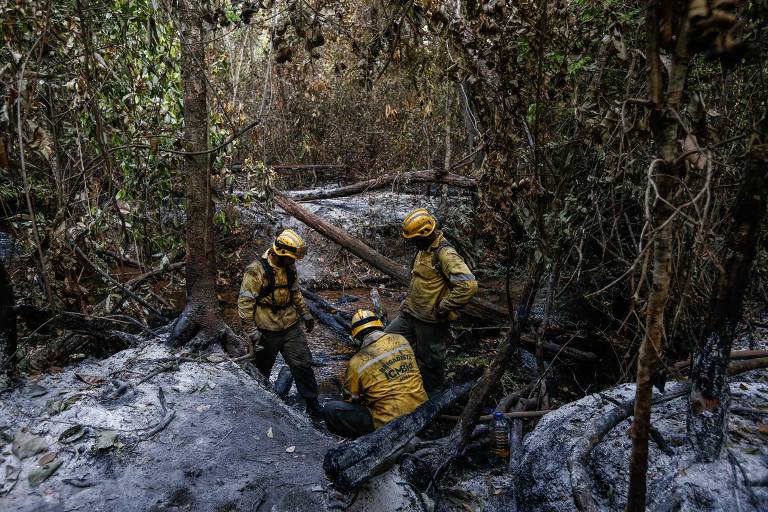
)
(500, 435)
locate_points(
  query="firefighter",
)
(271, 308)
(382, 381)
(441, 284)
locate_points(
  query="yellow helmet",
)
(418, 223)
(289, 243)
(364, 319)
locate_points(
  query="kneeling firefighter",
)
(270, 307)
(382, 381)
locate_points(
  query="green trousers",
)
(428, 341)
(346, 419)
(292, 344)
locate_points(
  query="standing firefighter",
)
(441, 284)
(270, 307)
(383, 375)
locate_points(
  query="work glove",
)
(255, 337)
(309, 324)
(445, 315)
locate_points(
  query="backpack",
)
(270, 288)
(436, 259)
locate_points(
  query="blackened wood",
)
(710, 397)
(352, 464)
(7, 324)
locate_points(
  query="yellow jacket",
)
(278, 310)
(385, 375)
(445, 289)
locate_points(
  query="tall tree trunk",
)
(7, 328)
(710, 394)
(443, 208)
(664, 124)
(200, 323)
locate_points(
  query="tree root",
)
(160, 426)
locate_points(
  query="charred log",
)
(352, 464)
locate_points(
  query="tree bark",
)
(710, 395)
(664, 125)
(394, 180)
(7, 328)
(443, 208)
(200, 323)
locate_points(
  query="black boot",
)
(314, 409)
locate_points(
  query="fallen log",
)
(352, 464)
(480, 309)
(735, 354)
(103, 273)
(553, 348)
(325, 304)
(394, 180)
(300, 167)
(328, 320)
(488, 417)
(137, 281)
(108, 328)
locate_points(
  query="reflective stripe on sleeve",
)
(382, 356)
(248, 295)
(455, 278)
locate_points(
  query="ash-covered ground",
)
(738, 481)
(230, 444)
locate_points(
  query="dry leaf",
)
(269, 433)
(46, 459)
(39, 475)
(290, 449)
(26, 444)
(105, 439)
(72, 434)
(93, 380)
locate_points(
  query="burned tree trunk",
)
(664, 124)
(200, 323)
(7, 327)
(710, 398)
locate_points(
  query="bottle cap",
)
(498, 415)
